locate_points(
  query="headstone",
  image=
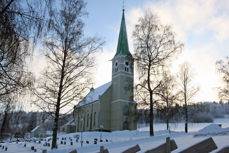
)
(101, 149)
(6, 149)
(206, 145)
(73, 151)
(162, 148)
(32, 147)
(44, 151)
(133, 149)
(224, 150)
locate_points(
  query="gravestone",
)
(73, 151)
(224, 150)
(44, 151)
(163, 148)
(133, 149)
(206, 145)
(32, 147)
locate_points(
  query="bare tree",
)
(70, 59)
(168, 94)
(188, 91)
(154, 45)
(20, 21)
(223, 68)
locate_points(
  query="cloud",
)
(103, 69)
(203, 26)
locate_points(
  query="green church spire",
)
(122, 47)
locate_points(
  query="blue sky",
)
(202, 25)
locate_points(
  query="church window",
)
(91, 121)
(127, 65)
(87, 120)
(116, 66)
(94, 118)
(125, 111)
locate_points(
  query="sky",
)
(202, 25)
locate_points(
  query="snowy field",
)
(121, 140)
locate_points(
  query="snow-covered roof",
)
(94, 94)
(71, 122)
(35, 128)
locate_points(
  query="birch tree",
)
(223, 68)
(70, 59)
(154, 44)
(187, 89)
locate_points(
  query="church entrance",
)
(125, 125)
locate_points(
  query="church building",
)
(111, 107)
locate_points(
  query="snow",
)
(119, 141)
(35, 128)
(94, 94)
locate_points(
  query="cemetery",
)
(210, 138)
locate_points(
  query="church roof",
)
(122, 47)
(71, 122)
(94, 94)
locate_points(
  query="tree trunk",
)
(186, 112)
(4, 124)
(5, 120)
(56, 120)
(167, 115)
(151, 114)
(186, 118)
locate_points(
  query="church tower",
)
(123, 108)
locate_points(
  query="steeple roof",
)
(122, 47)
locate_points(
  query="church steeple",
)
(122, 47)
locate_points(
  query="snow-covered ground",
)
(121, 140)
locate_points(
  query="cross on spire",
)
(123, 5)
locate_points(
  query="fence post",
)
(101, 149)
(168, 145)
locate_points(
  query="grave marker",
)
(133, 149)
(206, 145)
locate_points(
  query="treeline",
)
(198, 112)
(21, 122)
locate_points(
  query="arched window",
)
(116, 66)
(94, 118)
(127, 66)
(87, 120)
(125, 111)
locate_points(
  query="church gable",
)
(94, 94)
